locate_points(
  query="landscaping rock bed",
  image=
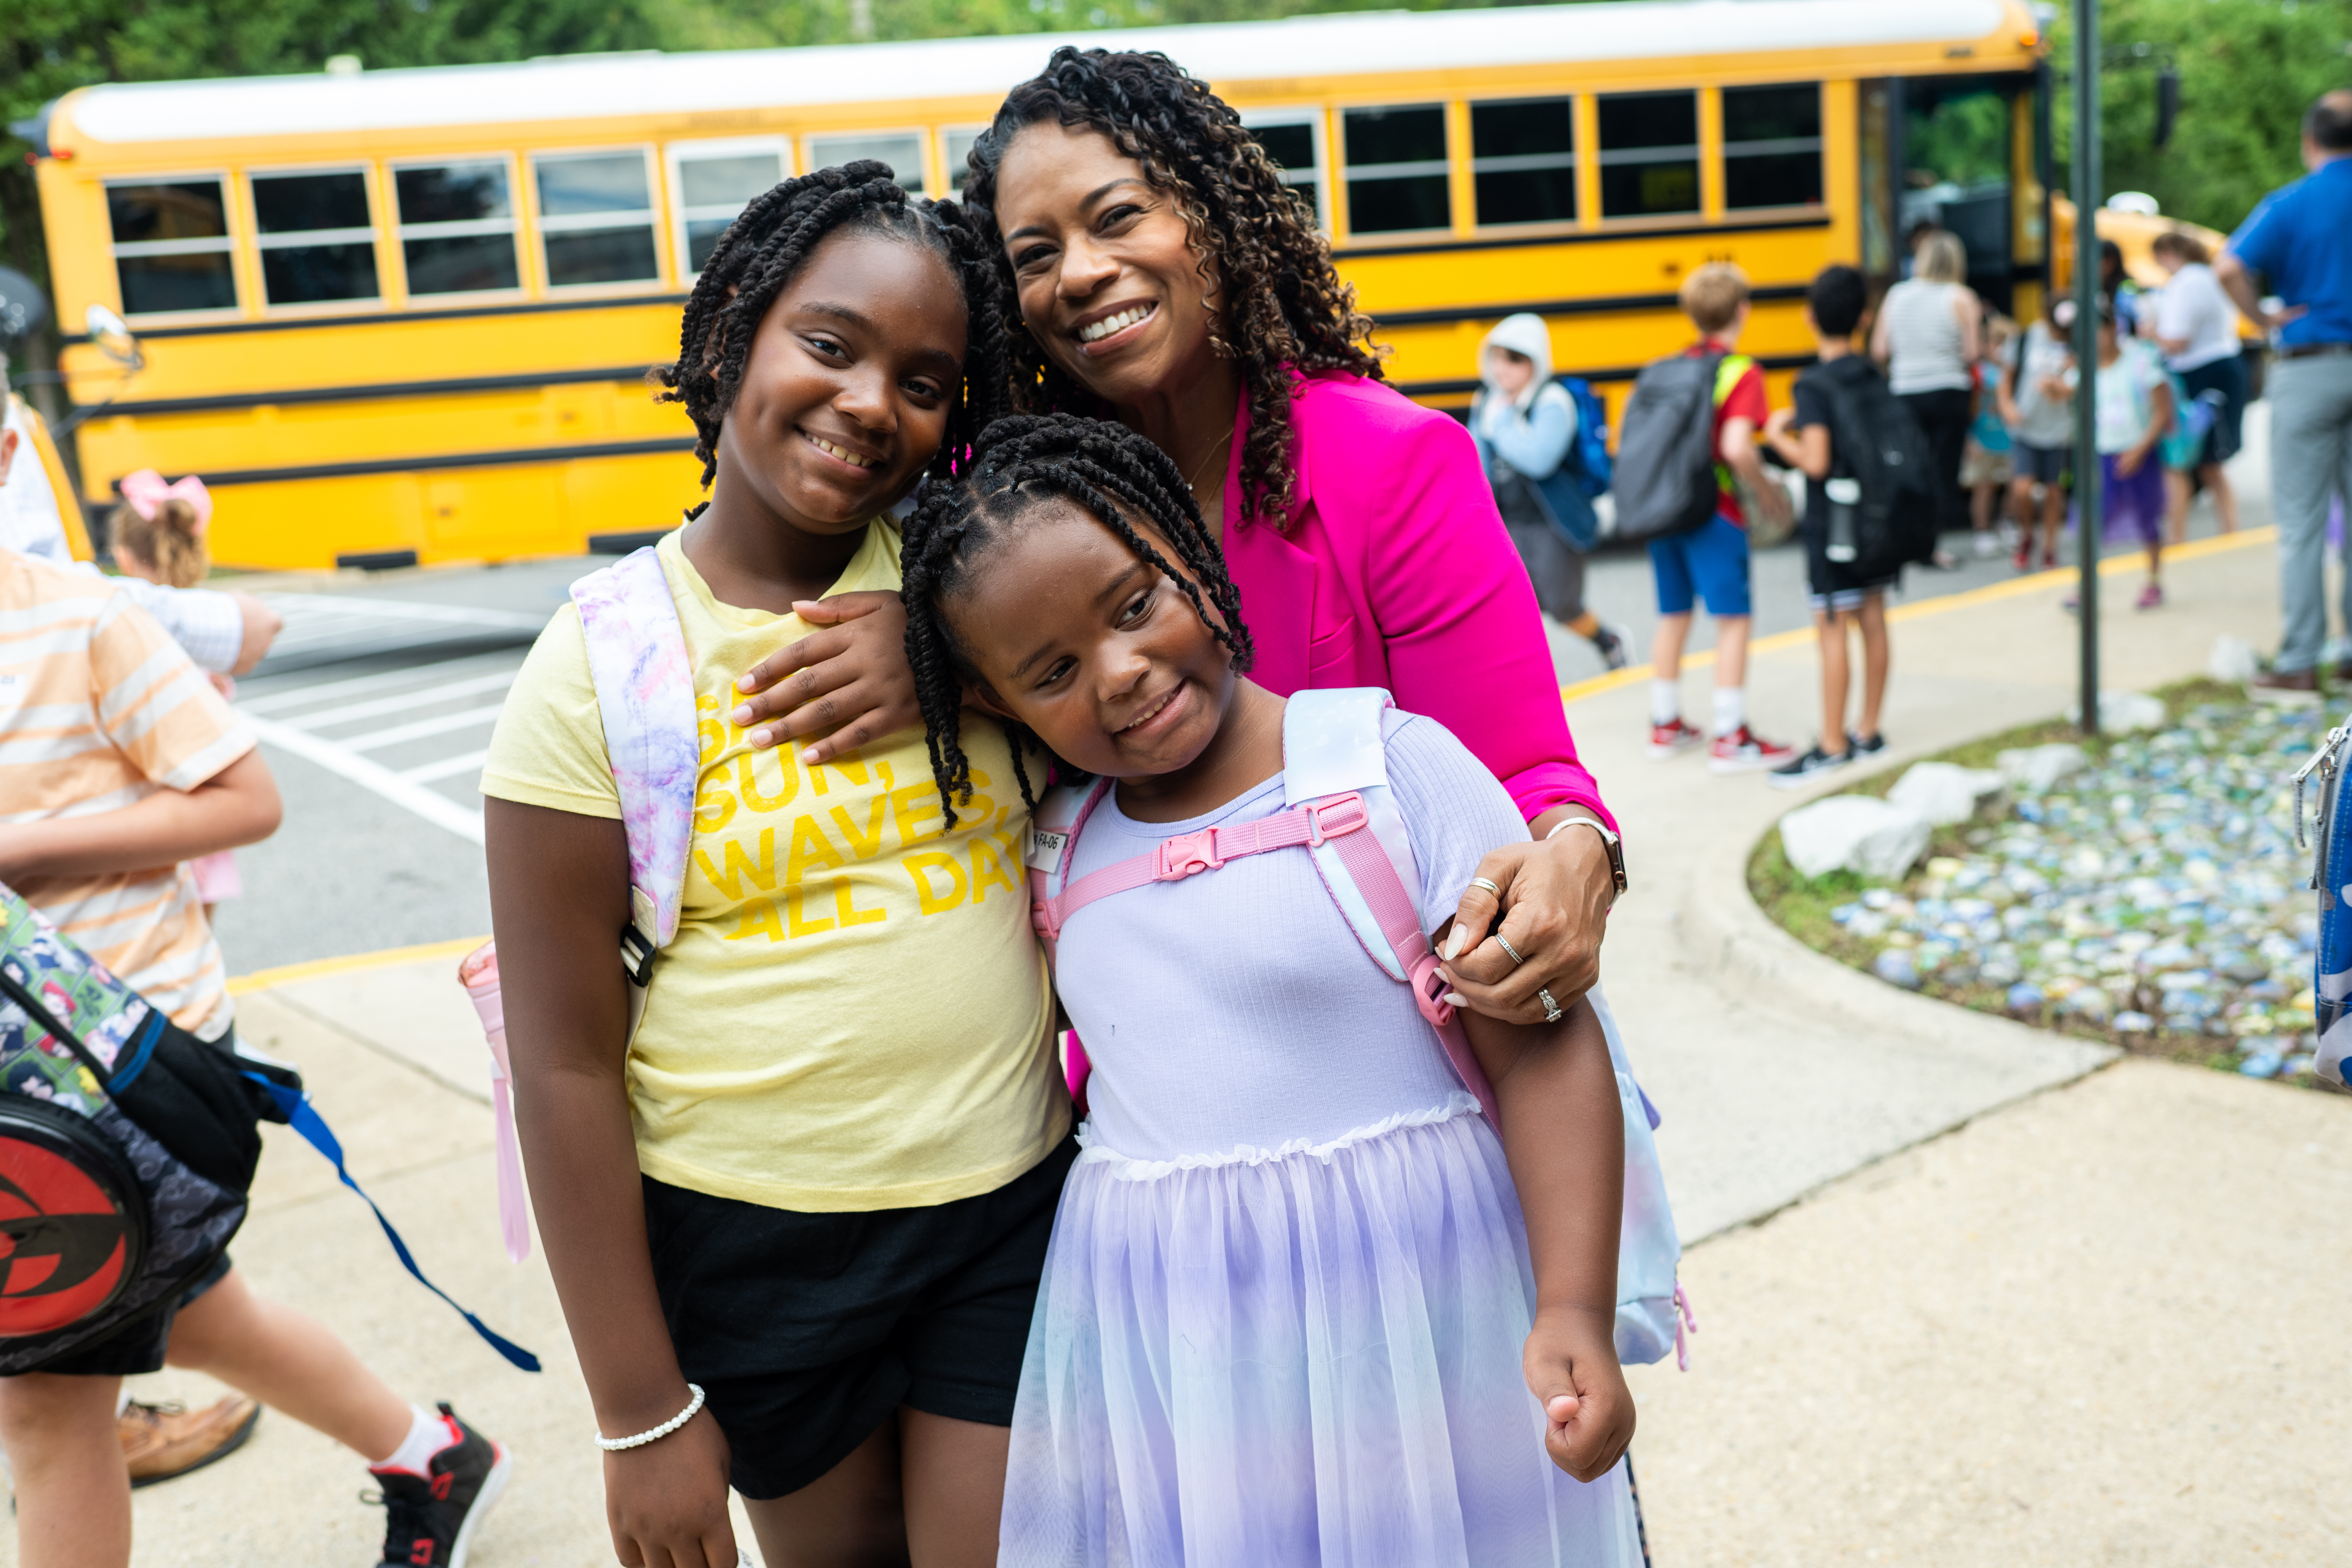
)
(2145, 890)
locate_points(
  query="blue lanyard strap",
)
(304, 1119)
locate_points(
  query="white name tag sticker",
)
(1046, 848)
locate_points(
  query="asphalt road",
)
(374, 709)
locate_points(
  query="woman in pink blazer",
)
(1162, 274)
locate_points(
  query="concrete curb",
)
(1727, 933)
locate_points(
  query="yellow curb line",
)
(2112, 566)
(286, 975)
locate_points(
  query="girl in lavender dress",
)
(1303, 1303)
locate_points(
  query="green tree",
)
(2248, 71)
(48, 47)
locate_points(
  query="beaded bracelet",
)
(615, 1444)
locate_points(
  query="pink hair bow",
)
(145, 491)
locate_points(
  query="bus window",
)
(171, 246)
(1396, 169)
(1523, 160)
(317, 239)
(1773, 147)
(902, 150)
(715, 182)
(956, 142)
(1292, 140)
(457, 227)
(1649, 153)
(595, 218)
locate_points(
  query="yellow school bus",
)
(406, 315)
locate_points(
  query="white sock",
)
(427, 1436)
(1730, 709)
(1666, 702)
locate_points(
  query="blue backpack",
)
(2331, 878)
(1588, 455)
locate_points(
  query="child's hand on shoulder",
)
(1571, 1364)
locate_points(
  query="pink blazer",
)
(1396, 571)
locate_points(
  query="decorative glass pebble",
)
(2154, 890)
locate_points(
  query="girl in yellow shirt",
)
(805, 1204)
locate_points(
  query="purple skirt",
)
(2130, 506)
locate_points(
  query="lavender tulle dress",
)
(1283, 1312)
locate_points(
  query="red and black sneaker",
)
(1667, 740)
(433, 1515)
(1741, 751)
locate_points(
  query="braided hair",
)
(1115, 475)
(1277, 303)
(763, 248)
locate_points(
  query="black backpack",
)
(1875, 441)
(1664, 476)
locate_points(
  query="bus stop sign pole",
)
(2088, 476)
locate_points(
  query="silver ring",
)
(1482, 882)
(1552, 1014)
(1516, 956)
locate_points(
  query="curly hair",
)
(1277, 303)
(763, 248)
(1107, 470)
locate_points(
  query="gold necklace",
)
(1193, 481)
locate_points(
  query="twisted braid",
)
(1109, 470)
(763, 248)
(1277, 304)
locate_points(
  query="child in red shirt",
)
(1711, 561)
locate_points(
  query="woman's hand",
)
(1555, 910)
(1571, 1364)
(851, 679)
(667, 1502)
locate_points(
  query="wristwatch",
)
(1615, 845)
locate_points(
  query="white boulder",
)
(2121, 712)
(2232, 660)
(2039, 768)
(1855, 833)
(1944, 793)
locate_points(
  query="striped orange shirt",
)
(98, 710)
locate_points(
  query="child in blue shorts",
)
(1711, 561)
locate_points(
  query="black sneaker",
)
(433, 1516)
(1610, 641)
(1798, 772)
(1856, 746)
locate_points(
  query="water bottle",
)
(1845, 497)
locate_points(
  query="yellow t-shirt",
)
(855, 1014)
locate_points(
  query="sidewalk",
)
(2090, 1325)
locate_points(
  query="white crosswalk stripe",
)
(339, 725)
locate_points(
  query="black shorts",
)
(135, 1347)
(2222, 386)
(806, 1330)
(2040, 465)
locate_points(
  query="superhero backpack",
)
(127, 1146)
(1340, 810)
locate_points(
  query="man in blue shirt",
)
(2299, 240)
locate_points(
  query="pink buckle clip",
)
(1041, 918)
(1335, 818)
(1187, 853)
(1429, 991)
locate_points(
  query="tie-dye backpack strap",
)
(645, 689)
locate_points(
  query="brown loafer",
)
(2291, 689)
(160, 1441)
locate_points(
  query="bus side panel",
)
(287, 523)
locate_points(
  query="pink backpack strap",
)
(645, 691)
(1189, 854)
